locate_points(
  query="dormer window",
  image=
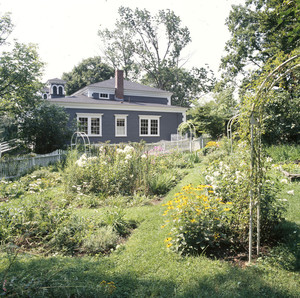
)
(60, 90)
(103, 95)
(54, 90)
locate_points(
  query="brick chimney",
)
(119, 84)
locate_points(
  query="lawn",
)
(142, 266)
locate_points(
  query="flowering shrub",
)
(198, 220)
(123, 169)
(230, 178)
(36, 182)
(210, 147)
(212, 144)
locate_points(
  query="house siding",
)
(135, 99)
(143, 99)
(168, 124)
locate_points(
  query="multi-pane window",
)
(83, 124)
(90, 124)
(95, 126)
(149, 125)
(121, 125)
(144, 126)
(154, 126)
(103, 95)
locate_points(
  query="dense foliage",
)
(260, 30)
(123, 170)
(38, 210)
(45, 129)
(211, 117)
(263, 31)
(215, 216)
(136, 46)
(89, 71)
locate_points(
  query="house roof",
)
(56, 81)
(82, 100)
(128, 85)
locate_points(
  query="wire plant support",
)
(256, 118)
(81, 139)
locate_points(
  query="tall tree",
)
(118, 49)
(45, 129)
(259, 30)
(6, 27)
(211, 117)
(149, 49)
(186, 85)
(20, 72)
(145, 43)
(89, 71)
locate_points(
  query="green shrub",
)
(230, 177)
(161, 183)
(38, 181)
(198, 220)
(284, 153)
(120, 170)
(100, 241)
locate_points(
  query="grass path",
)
(144, 268)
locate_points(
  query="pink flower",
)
(3, 286)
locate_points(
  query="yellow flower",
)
(163, 226)
(168, 239)
(193, 220)
(226, 209)
(169, 245)
(229, 203)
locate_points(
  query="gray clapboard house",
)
(118, 110)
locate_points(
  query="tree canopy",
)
(263, 31)
(260, 29)
(23, 114)
(20, 71)
(149, 49)
(137, 40)
(89, 71)
(45, 129)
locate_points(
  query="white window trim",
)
(149, 118)
(121, 116)
(89, 117)
(103, 97)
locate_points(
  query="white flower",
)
(144, 156)
(285, 181)
(269, 159)
(128, 156)
(120, 151)
(128, 149)
(216, 173)
(290, 192)
(242, 163)
(81, 161)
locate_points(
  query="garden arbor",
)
(190, 127)
(81, 139)
(251, 128)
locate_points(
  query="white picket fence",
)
(15, 167)
(6, 146)
(180, 145)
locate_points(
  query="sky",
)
(66, 30)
